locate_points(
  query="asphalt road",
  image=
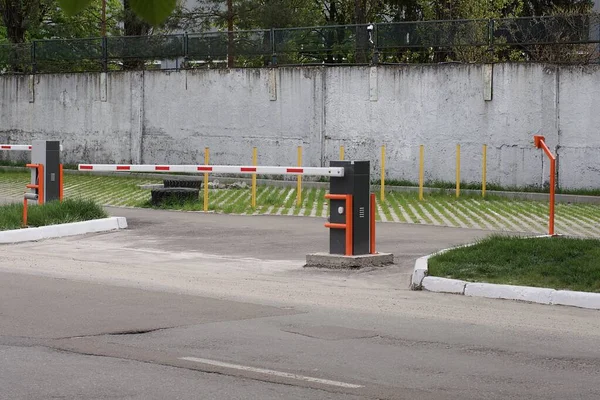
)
(194, 306)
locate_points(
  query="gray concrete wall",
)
(169, 117)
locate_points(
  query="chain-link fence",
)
(571, 39)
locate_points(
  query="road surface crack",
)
(121, 333)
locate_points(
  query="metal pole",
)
(33, 58)
(104, 54)
(539, 142)
(61, 182)
(273, 48)
(255, 163)
(382, 194)
(25, 212)
(373, 213)
(552, 194)
(230, 58)
(206, 159)
(299, 190)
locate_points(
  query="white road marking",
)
(271, 372)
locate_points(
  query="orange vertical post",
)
(25, 212)
(552, 195)
(60, 183)
(539, 142)
(372, 236)
(349, 226)
(41, 176)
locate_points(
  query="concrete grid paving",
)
(582, 220)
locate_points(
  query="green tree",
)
(153, 12)
(20, 16)
(88, 23)
(545, 7)
(44, 19)
(3, 37)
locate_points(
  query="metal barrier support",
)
(47, 154)
(356, 184)
(539, 142)
(38, 185)
(347, 225)
(352, 208)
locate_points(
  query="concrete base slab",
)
(338, 261)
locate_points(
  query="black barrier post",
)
(47, 153)
(356, 183)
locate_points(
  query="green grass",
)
(11, 215)
(557, 262)
(8, 163)
(438, 207)
(490, 186)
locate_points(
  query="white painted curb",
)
(509, 292)
(419, 273)
(442, 285)
(63, 230)
(420, 281)
(576, 299)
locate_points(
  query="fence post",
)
(185, 49)
(273, 49)
(375, 57)
(105, 54)
(491, 34)
(33, 58)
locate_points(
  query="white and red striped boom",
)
(218, 169)
(15, 147)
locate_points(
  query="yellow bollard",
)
(342, 154)
(255, 163)
(382, 173)
(458, 170)
(206, 159)
(484, 172)
(421, 170)
(299, 197)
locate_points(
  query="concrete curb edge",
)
(62, 230)
(420, 281)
